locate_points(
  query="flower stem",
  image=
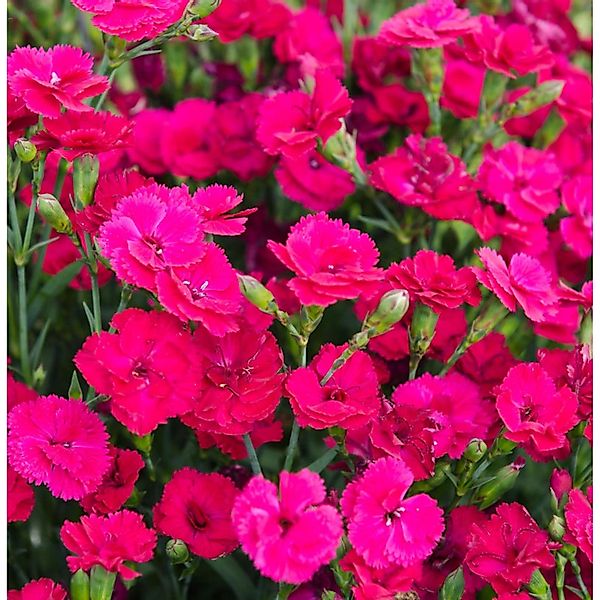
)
(577, 570)
(252, 454)
(295, 433)
(23, 326)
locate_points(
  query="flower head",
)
(579, 517)
(576, 229)
(19, 497)
(39, 589)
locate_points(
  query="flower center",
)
(197, 518)
(140, 371)
(197, 293)
(54, 78)
(395, 514)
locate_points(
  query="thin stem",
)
(413, 365)
(38, 175)
(102, 98)
(252, 454)
(93, 269)
(577, 570)
(295, 433)
(23, 326)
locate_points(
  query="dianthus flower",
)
(148, 368)
(108, 541)
(508, 548)
(18, 116)
(133, 20)
(118, 483)
(48, 80)
(17, 392)
(385, 528)
(196, 508)
(396, 105)
(150, 230)
(523, 283)
(578, 514)
(463, 84)
(331, 261)
(19, 497)
(288, 532)
(535, 413)
(428, 25)
(145, 147)
(423, 173)
(576, 229)
(525, 180)
(241, 382)
(60, 443)
(433, 280)
(349, 399)
(39, 589)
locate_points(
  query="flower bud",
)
(80, 586)
(257, 293)
(422, 329)
(454, 586)
(203, 8)
(177, 551)
(25, 150)
(538, 587)
(85, 177)
(560, 483)
(392, 307)
(503, 481)
(542, 95)
(54, 214)
(475, 450)
(200, 32)
(556, 528)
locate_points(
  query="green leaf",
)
(102, 583)
(90, 317)
(75, 389)
(36, 351)
(454, 586)
(318, 465)
(237, 579)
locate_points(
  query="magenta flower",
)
(48, 80)
(145, 147)
(287, 532)
(384, 527)
(39, 589)
(19, 497)
(576, 229)
(579, 517)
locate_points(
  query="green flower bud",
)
(503, 481)
(475, 450)
(422, 329)
(143, 443)
(542, 95)
(25, 150)
(80, 586)
(538, 587)
(454, 586)
(556, 528)
(85, 177)
(257, 293)
(203, 8)
(392, 307)
(177, 551)
(200, 32)
(54, 214)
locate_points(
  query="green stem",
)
(577, 570)
(295, 433)
(413, 365)
(23, 326)
(102, 98)
(252, 454)
(93, 269)
(38, 176)
(560, 576)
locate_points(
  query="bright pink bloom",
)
(150, 230)
(108, 541)
(60, 443)
(206, 291)
(463, 84)
(145, 147)
(524, 179)
(19, 497)
(133, 20)
(507, 549)
(287, 532)
(148, 368)
(331, 261)
(561, 483)
(17, 392)
(428, 25)
(373, 63)
(241, 382)
(349, 399)
(528, 125)
(118, 483)
(535, 413)
(48, 80)
(384, 527)
(576, 229)
(523, 283)
(196, 508)
(39, 589)
(18, 116)
(422, 173)
(579, 516)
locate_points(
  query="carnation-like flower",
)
(384, 527)
(288, 532)
(579, 517)
(463, 84)
(108, 541)
(118, 483)
(39, 589)
(535, 413)
(523, 283)
(133, 20)
(19, 497)
(18, 116)
(331, 261)
(148, 368)
(576, 229)
(524, 179)
(507, 549)
(145, 145)
(196, 508)
(349, 399)
(428, 25)
(59, 443)
(48, 80)
(17, 392)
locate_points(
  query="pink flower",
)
(331, 261)
(48, 80)
(561, 483)
(385, 528)
(576, 229)
(397, 105)
(196, 508)
(524, 179)
(148, 368)
(39, 589)
(17, 392)
(206, 291)
(507, 549)
(150, 230)
(18, 116)
(578, 513)
(373, 62)
(349, 399)
(287, 532)
(60, 443)
(19, 497)
(241, 382)
(422, 173)
(108, 541)
(463, 84)
(145, 147)
(535, 413)
(428, 25)
(133, 20)
(433, 280)
(523, 283)
(118, 483)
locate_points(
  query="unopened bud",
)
(542, 95)
(257, 293)
(556, 528)
(85, 177)
(200, 32)
(80, 586)
(422, 329)
(203, 8)
(454, 586)
(475, 450)
(54, 214)
(392, 307)
(538, 587)
(177, 551)
(26, 151)
(560, 483)
(502, 482)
